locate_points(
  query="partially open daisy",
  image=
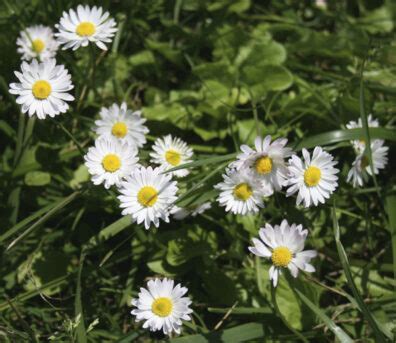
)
(266, 161)
(37, 42)
(109, 161)
(361, 168)
(240, 192)
(123, 124)
(78, 28)
(359, 145)
(42, 88)
(314, 179)
(148, 195)
(162, 306)
(171, 152)
(284, 245)
(179, 213)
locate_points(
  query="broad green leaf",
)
(37, 178)
(141, 58)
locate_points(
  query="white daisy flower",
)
(241, 193)
(148, 195)
(314, 179)
(123, 124)
(162, 306)
(266, 161)
(109, 161)
(359, 145)
(37, 42)
(361, 169)
(180, 213)
(43, 88)
(284, 245)
(171, 152)
(78, 28)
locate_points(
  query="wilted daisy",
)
(123, 124)
(162, 306)
(240, 192)
(314, 179)
(359, 145)
(37, 42)
(109, 161)
(171, 152)
(180, 213)
(43, 88)
(266, 161)
(78, 28)
(284, 245)
(147, 195)
(361, 168)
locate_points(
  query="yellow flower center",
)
(41, 89)
(173, 157)
(281, 256)
(111, 163)
(312, 176)
(38, 45)
(119, 129)
(162, 307)
(263, 165)
(85, 29)
(147, 196)
(243, 191)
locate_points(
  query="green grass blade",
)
(338, 332)
(30, 294)
(337, 136)
(242, 310)
(78, 309)
(240, 333)
(379, 334)
(390, 209)
(204, 162)
(27, 220)
(44, 218)
(201, 183)
(110, 231)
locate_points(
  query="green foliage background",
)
(214, 73)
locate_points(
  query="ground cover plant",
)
(197, 171)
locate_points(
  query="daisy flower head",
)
(162, 306)
(122, 124)
(240, 192)
(37, 42)
(79, 28)
(43, 88)
(170, 152)
(109, 161)
(148, 195)
(266, 161)
(179, 213)
(283, 244)
(360, 145)
(361, 169)
(314, 179)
